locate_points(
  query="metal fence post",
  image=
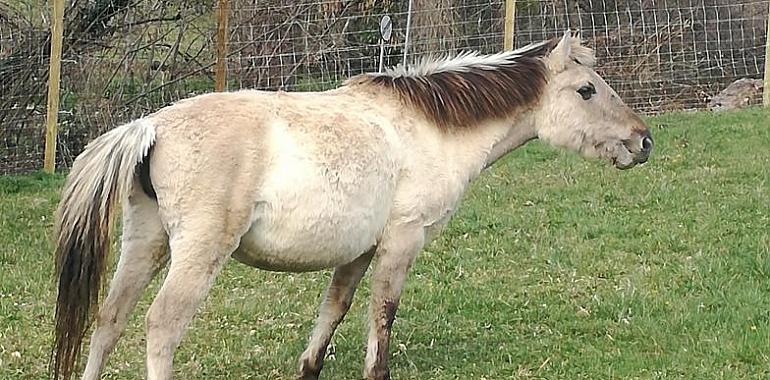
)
(222, 36)
(54, 80)
(408, 26)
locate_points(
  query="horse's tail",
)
(100, 177)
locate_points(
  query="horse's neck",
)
(518, 133)
(443, 164)
(475, 149)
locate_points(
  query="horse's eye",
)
(587, 91)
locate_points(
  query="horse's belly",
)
(305, 222)
(309, 238)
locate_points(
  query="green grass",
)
(554, 268)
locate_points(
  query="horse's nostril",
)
(647, 144)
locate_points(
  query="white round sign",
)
(386, 27)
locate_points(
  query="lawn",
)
(554, 268)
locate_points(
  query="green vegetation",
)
(554, 268)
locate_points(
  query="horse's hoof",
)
(309, 374)
(379, 375)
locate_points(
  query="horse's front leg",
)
(335, 305)
(395, 255)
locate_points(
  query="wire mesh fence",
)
(661, 55)
(120, 61)
(23, 67)
(314, 46)
(123, 59)
(146, 57)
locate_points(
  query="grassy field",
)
(554, 268)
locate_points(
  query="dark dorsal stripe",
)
(469, 95)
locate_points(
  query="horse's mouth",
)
(624, 158)
(621, 165)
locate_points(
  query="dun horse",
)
(307, 181)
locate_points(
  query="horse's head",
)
(580, 111)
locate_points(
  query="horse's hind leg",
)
(143, 253)
(199, 246)
(335, 305)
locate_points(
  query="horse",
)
(307, 181)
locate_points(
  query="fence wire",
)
(23, 70)
(661, 55)
(123, 59)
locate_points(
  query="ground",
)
(554, 268)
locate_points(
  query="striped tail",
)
(101, 176)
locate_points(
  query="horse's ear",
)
(560, 55)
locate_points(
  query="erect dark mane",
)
(469, 89)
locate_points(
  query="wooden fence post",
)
(766, 86)
(54, 80)
(222, 35)
(510, 16)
